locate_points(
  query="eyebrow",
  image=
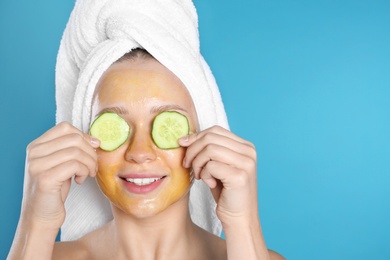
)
(118, 110)
(154, 110)
(159, 109)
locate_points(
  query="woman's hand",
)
(227, 164)
(52, 160)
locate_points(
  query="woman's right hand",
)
(52, 160)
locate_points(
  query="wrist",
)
(39, 239)
(40, 244)
(244, 239)
(242, 226)
(243, 221)
(32, 240)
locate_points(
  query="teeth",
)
(142, 181)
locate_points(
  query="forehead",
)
(141, 79)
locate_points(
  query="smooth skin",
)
(224, 161)
(139, 92)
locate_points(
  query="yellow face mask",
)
(138, 176)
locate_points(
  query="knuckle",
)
(90, 169)
(65, 127)
(31, 150)
(252, 164)
(44, 183)
(241, 179)
(75, 152)
(75, 166)
(211, 165)
(252, 153)
(252, 145)
(210, 147)
(33, 168)
(29, 147)
(76, 137)
(216, 127)
(249, 150)
(195, 163)
(208, 167)
(209, 137)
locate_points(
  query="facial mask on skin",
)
(136, 190)
(143, 194)
(112, 130)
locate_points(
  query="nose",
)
(141, 148)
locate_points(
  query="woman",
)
(152, 221)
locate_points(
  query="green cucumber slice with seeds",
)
(168, 127)
(111, 129)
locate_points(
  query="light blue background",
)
(308, 82)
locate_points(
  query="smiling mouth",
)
(142, 181)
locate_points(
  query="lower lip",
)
(142, 189)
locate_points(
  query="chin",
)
(146, 208)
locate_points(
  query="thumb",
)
(94, 142)
(187, 140)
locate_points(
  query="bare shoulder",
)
(275, 256)
(91, 246)
(70, 250)
(215, 247)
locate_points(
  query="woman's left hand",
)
(227, 164)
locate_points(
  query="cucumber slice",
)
(111, 129)
(168, 127)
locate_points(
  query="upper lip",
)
(141, 175)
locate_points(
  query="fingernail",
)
(94, 141)
(184, 139)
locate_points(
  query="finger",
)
(54, 179)
(79, 179)
(212, 138)
(62, 156)
(79, 170)
(86, 143)
(235, 181)
(214, 152)
(236, 192)
(217, 130)
(58, 130)
(64, 128)
(207, 175)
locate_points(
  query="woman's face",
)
(138, 90)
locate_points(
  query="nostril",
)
(140, 157)
(140, 148)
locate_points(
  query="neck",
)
(154, 237)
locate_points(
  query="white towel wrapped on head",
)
(98, 33)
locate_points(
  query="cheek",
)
(174, 158)
(107, 168)
(179, 184)
(180, 176)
